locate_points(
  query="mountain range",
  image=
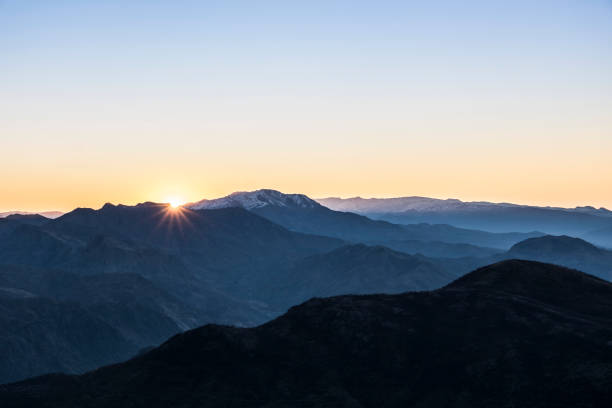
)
(486, 216)
(600, 236)
(561, 250)
(516, 333)
(148, 271)
(426, 204)
(567, 251)
(140, 274)
(297, 212)
(472, 248)
(46, 214)
(354, 269)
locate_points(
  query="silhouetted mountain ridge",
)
(600, 236)
(305, 215)
(145, 271)
(46, 214)
(556, 244)
(567, 251)
(354, 269)
(149, 271)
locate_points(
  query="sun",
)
(174, 202)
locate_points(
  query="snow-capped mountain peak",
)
(256, 199)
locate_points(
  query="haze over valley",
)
(139, 274)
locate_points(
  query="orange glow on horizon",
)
(175, 203)
(318, 106)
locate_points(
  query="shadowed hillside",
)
(532, 334)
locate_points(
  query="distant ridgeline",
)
(583, 222)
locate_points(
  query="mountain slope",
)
(217, 250)
(415, 203)
(40, 335)
(256, 199)
(600, 236)
(145, 272)
(136, 312)
(494, 217)
(353, 269)
(448, 233)
(46, 214)
(300, 213)
(33, 219)
(227, 237)
(567, 251)
(559, 250)
(531, 334)
(437, 249)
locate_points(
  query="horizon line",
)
(341, 197)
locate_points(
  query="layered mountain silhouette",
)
(46, 214)
(148, 272)
(495, 217)
(297, 212)
(33, 219)
(140, 274)
(560, 250)
(354, 269)
(600, 236)
(437, 249)
(145, 272)
(516, 333)
(567, 251)
(416, 203)
(45, 312)
(152, 239)
(41, 335)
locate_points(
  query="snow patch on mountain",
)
(425, 204)
(256, 199)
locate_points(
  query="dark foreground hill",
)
(513, 334)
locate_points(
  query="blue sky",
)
(507, 101)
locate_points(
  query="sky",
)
(126, 102)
